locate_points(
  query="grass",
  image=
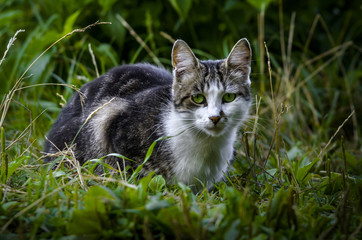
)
(297, 172)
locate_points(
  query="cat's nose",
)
(215, 119)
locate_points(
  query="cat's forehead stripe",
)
(212, 73)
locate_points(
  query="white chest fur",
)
(199, 156)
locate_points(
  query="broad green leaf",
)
(96, 198)
(59, 173)
(155, 203)
(15, 164)
(277, 203)
(157, 183)
(94, 216)
(352, 162)
(303, 171)
(69, 23)
(8, 205)
(84, 222)
(267, 191)
(39, 68)
(120, 156)
(144, 184)
(148, 155)
(294, 152)
(233, 231)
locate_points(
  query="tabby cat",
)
(200, 107)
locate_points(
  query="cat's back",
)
(127, 81)
(132, 82)
(116, 100)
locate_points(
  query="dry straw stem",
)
(139, 40)
(93, 59)
(330, 140)
(74, 162)
(338, 51)
(94, 112)
(106, 179)
(256, 120)
(81, 95)
(22, 134)
(78, 168)
(4, 158)
(274, 108)
(168, 37)
(7, 189)
(271, 82)
(8, 98)
(11, 42)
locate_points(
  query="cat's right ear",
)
(183, 59)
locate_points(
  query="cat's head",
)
(212, 96)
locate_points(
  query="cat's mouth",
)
(214, 130)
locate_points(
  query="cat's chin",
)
(214, 131)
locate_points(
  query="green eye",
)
(229, 97)
(198, 98)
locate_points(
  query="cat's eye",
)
(229, 97)
(198, 98)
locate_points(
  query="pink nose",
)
(215, 119)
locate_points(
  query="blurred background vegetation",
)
(318, 42)
(304, 103)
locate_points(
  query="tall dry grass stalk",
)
(6, 101)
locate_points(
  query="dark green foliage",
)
(297, 173)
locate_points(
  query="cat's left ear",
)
(239, 59)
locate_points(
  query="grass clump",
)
(297, 172)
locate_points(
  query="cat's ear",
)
(239, 60)
(183, 59)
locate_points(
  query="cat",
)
(199, 107)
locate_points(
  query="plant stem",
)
(4, 158)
